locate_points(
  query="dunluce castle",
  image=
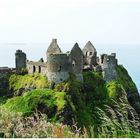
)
(59, 64)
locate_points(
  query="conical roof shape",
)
(76, 48)
(89, 46)
(54, 48)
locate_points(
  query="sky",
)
(111, 25)
(101, 21)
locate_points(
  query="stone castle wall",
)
(109, 64)
(58, 67)
(38, 67)
(59, 64)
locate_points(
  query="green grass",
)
(100, 109)
(32, 81)
(95, 86)
(114, 89)
(125, 79)
(37, 99)
(60, 101)
(129, 86)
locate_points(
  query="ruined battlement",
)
(109, 64)
(59, 64)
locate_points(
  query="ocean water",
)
(127, 55)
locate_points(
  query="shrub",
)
(14, 126)
(27, 82)
(44, 100)
(94, 86)
(114, 89)
(125, 79)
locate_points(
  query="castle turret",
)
(58, 67)
(53, 48)
(20, 59)
(90, 54)
(77, 62)
(109, 64)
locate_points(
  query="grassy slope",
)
(132, 93)
(45, 100)
(27, 82)
(102, 108)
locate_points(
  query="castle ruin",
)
(59, 65)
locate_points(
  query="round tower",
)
(58, 67)
(20, 59)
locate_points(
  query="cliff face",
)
(129, 86)
(105, 109)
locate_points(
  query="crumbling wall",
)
(77, 62)
(58, 67)
(90, 54)
(39, 67)
(108, 64)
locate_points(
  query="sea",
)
(128, 55)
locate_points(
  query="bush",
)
(27, 82)
(37, 126)
(94, 86)
(125, 79)
(115, 89)
(44, 100)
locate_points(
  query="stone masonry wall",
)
(108, 64)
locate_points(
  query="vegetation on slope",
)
(4, 84)
(37, 126)
(21, 83)
(126, 80)
(100, 109)
(129, 86)
(45, 100)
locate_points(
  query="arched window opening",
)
(102, 58)
(73, 63)
(39, 69)
(107, 59)
(34, 69)
(90, 53)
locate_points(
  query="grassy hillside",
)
(129, 86)
(91, 109)
(20, 83)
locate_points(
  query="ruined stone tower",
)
(109, 64)
(58, 65)
(20, 59)
(90, 54)
(53, 48)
